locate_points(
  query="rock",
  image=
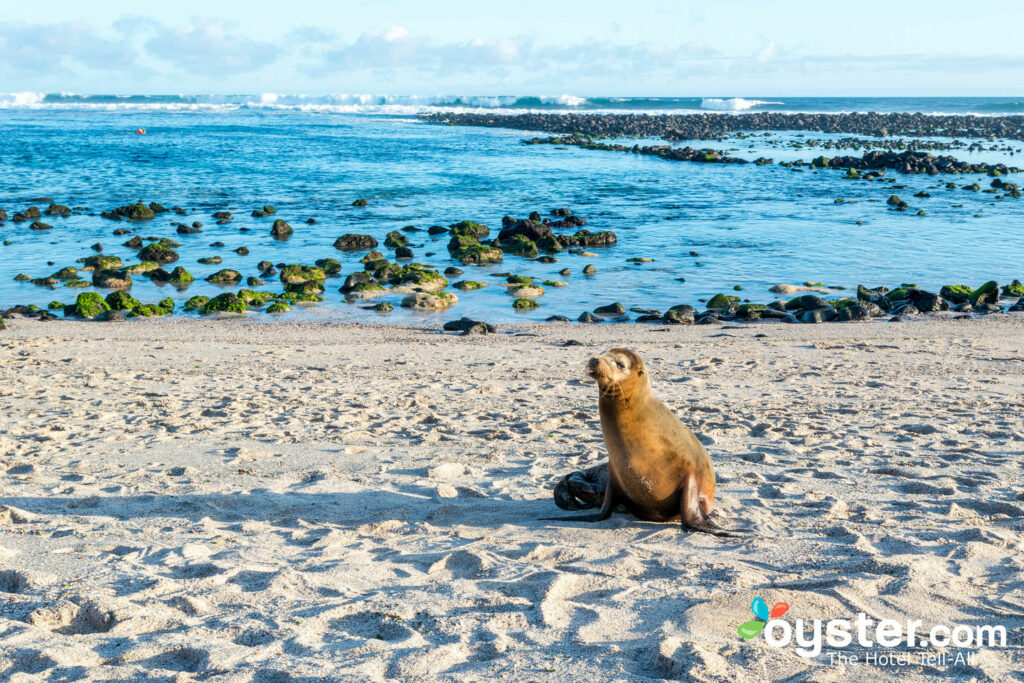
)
(875, 297)
(329, 266)
(519, 246)
(683, 314)
(437, 230)
(1015, 288)
(854, 312)
(452, 271)
(708, 320)
(210, 260)
(722, 301)
(296, 273)
(88, 305)
(355, 279)
(589, 269)
(383, 307)
(588, 317)
(524, 304)
(529, 292)
(809, 302)
(183, 229)
(242, 251)
(818, 315)
(557, 319)
(792, 289)
(403, 253)
(196, 303)
(112, 316)
(278, 307)
(468, 229)
(281, 230)
(179, 277)
(360, 202)
(463, 324)
(425, 301)
(39, 225)
(988, 293)
(467, 285)
(354, 242)
(927, 302)
(225, 277)
(222, 215)
(469, 250)
(121, 301)
(615, 309)
(223, 303)
(158, 253)
(111, 279)
(528, 229)
(68, 273)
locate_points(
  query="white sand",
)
(218, 500)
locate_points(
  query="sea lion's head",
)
(618, 372)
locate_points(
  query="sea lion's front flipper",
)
(692, 513)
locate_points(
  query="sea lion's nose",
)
(594, 363)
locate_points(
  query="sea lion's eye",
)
(619, 365)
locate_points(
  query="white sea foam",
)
(732, 104)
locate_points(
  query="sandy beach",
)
(226, 500)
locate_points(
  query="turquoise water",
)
(751, 226)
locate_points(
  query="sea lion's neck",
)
(621, 401)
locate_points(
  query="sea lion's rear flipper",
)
(692, 512)
(609, 494)
(582, 490)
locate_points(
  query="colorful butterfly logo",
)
(759, 607)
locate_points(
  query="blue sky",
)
(724, 48)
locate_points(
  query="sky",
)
(740, 48)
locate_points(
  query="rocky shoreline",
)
(713, 126)
(425, 286)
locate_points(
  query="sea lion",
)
(657, 468)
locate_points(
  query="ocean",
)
(751, 226)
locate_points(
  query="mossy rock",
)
(468, 251)
(181, 277)
(395, 239)
(988, 293)
(225, 277)
(21, 277)
(360, 202)
(135, 212)
(469, 229)
(227, 302)
(373, 256)
(45, 282)
(383, 307)
(167, 304)
(524, 304)
(278, 307)
(467, 285)
(519, 245)
(67, 273)
(210, 260)
(614, 309)
(426, 301)
(102, 262)
(355, 242)
(254, 298)
(549, 243)
(744, 309)
(309, 288)
(1015, 288)
(957, 294)
(329, 266)
(148, 311)
(299, 297)
(589, 269)
(142, 268)
(79, 284)
(372, 286)
(111, 279)
(722, 301)
(121, 301)
(519, 280)
(296, 273)
(902, 292)
(89, 305)
(158, 252)
(196, 302)
(281, 230)
(555, 283)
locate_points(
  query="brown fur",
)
(657, 467)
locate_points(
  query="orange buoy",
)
(140, 131)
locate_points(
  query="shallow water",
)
(752, 226)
